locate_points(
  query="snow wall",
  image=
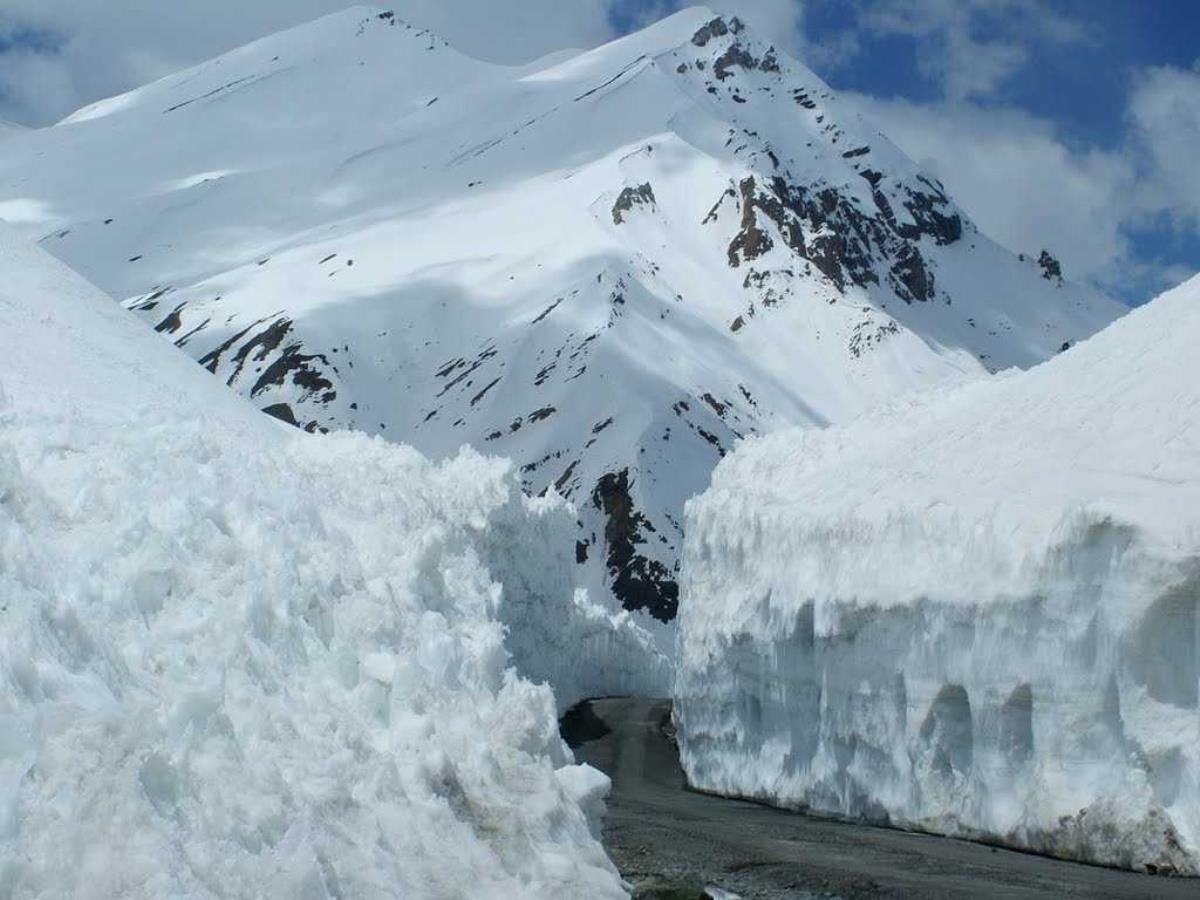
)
(974, 613)
(241, 661)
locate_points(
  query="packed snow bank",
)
(239, 661)
(973, 614)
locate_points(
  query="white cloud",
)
(780, 21)
(1164, 112)
(63, 54)
(1012, 172)
(1019, 181)
(950, 48)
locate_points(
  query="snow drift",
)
(240, 661)
(973, 613)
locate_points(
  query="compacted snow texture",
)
(241, 661)
(973, 613)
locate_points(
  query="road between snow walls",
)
(974, 613)
(673, 842)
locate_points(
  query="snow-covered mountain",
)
(977, 612)
(241, 661)
(10, 129)
(608, 266)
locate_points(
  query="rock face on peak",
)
(609, 267)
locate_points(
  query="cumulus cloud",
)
(1164, 112)
(780, 21)
(57, 56)
(1028, 187)
(951, 49)
(1019, 180)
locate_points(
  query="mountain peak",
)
(609, 266)
(340, 44)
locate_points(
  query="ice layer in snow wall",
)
(973, 613)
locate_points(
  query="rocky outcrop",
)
(638, 581)
(642, 195)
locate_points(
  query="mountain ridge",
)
(610, 266)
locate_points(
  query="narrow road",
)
(656, 828)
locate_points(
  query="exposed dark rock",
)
(486, 388)
(304, 374)
(715, 28)
(716, 207)
(1051, 268)
(712, 439)
(839, 239)
(449, 368)
(561, 483)
(718, 407)
(264, 342)
(909, 278)
(642, 195)
(182, 341)
(928, 219)
(545, 312)
(173, 322)
(803, 99)
(212, 359)
(734, 56)
(752, 241)
(304, 370)
(283, 412)
(580, 724)
(867, 335)
(638, 582)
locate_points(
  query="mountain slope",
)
(974, 613)
(608, 266)
(10, 129)
(241, 661)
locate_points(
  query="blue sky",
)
(1057, 85)
(1082, 86)
(1067, 124)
